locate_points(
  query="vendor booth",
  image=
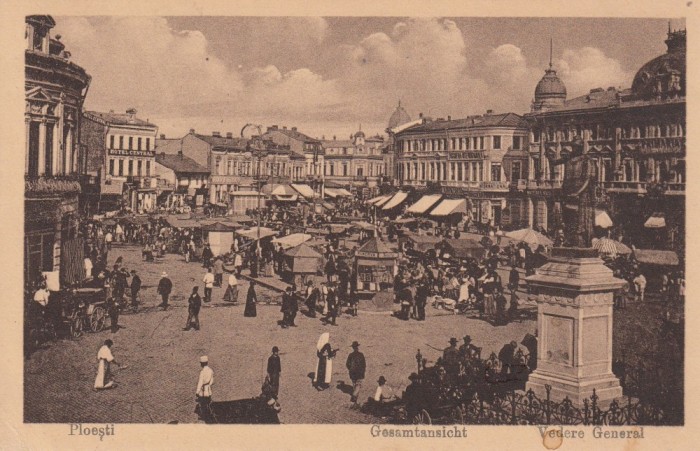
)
(220, 237)
(293, 240)
(301, 262)
(464, 248)
(376, 266)
(654, 263)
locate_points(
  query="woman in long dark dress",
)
(251, 299)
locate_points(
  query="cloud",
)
(586, 68)
(176, 76)
(422, 61)
(142, 62)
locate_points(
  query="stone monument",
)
(574, 321)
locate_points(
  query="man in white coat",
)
(203, 393)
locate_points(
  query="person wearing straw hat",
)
(165, 286)
(384, 393)
(204, 392)
(356, 366)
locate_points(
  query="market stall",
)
(654, 263)
(293, 240)
(376, 266)
(220, 237)
(301, 262)
(463, 248)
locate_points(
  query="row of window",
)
(139, 142)
(601, 132)
(344, 150)
(118, 168)
(344, 170)
(464, 143)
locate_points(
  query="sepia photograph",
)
(386, 221)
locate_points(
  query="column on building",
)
(42, 146)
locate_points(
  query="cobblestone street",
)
(158, 382)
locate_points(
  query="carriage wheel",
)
(76, 326)
(457, 415)
(422, 417)
(97, 319)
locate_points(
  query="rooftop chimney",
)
(272, 127)
(111, 111)
(489, 112)
(333, 137)
(284, 127)
(131, 112)
(449, 118)
(162, 136)
(218, 134)
(420, 115)
(294, 129)
(192, 130)
(229, 135)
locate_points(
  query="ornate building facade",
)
(356, 162)
(55, 89)
(636, 139)
(476, 158)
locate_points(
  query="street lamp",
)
(259, 151)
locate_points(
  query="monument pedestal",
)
(574, 322)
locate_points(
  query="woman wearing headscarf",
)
(324, 367)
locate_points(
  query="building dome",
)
(360, 134)
(398, 117)
(664, 76)
(550, 87)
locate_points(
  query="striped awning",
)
(304, 190)
(374, 200)
(449, 206)
(344, 192)
(395, 201)
(383, 200)
(606, 246)
(424, 203)
(331, 193)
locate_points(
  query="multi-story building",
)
(356, 162)
(475, 158)
(179, 179)
(121, 151)
(306, 154)
(635, 138)
(55, 89)
(234, 163)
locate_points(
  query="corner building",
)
(636, 139)
(55, 89)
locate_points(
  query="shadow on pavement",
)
(244, 411)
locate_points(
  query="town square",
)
(357, 246)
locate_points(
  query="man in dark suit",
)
(356, 366)
(274, 368)
(165, 286)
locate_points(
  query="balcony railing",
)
(51, 185)
(500, 185)
(641, 187)
(523, 184)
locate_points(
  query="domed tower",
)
(398, 117)
(664, 76)
(550, 91)
(359, 137)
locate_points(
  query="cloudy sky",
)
(328, 75)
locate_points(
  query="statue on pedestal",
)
(579, 196)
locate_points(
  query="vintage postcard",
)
(460, 227)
